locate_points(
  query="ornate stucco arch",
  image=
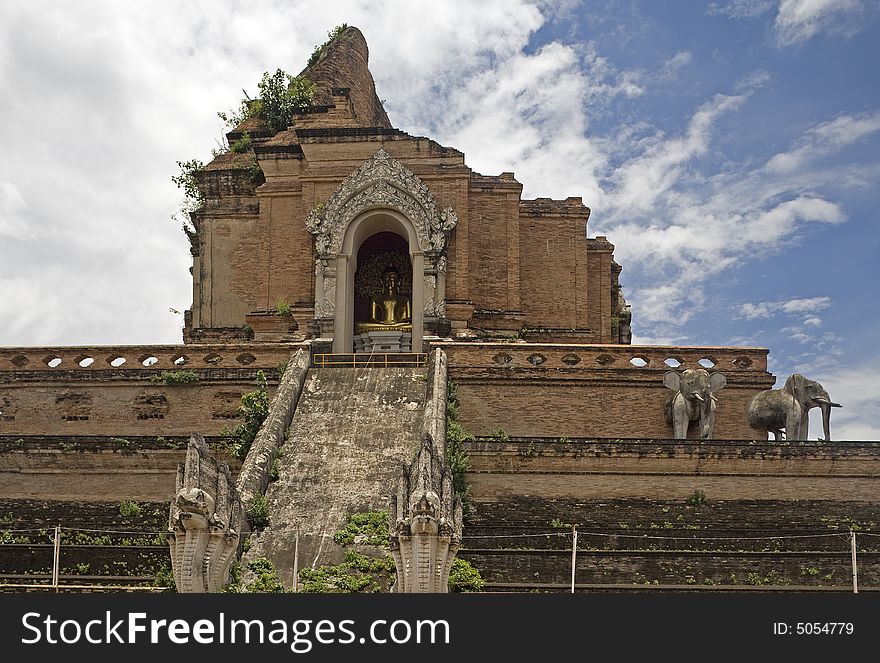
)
(381, 194)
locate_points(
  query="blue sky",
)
(730, 150)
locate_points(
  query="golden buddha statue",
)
(389, 310)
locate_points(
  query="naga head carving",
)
(424, 512)
(195, 501)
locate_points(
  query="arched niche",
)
(382, 195)
(366, 225)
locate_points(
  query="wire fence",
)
(59, 536)
(851, 537)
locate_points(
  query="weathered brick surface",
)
(130, 398)
(521, 542)
(106, 561)
(555, 272)
(98, 543)
(26, 360)
(593, 390)
(669, 469)
(103, 515)
(621, 516)
(344, 65)
(89, 469)
(667, 568)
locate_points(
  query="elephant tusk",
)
(698, 397)
(822, 401)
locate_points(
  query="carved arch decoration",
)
(381, 182)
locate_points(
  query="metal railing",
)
(372, 360)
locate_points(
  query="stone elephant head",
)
(789, 408)
(693, 399)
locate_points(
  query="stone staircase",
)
(353, 430)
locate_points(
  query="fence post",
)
(56, 557)
(296, 563)
(855, 568)
(574, 547)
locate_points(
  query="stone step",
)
(102, 560)
(352, 432)
(561, 588)
(674, 567)
(629, 513)
(665, 539)
(46, 514)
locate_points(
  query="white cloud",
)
(799, 20)
(856, 388)
(664, 207)
(669, 305)
(752, 311)
(742, 8)
(753, 80)
(808, 305)
(13, 210)
(791, 307)
(639, 339)
(641, 181)
(798, 334)
(524, 115)
(676, 63)
(824, 139)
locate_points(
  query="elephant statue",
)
(693, 400)
(789, 408)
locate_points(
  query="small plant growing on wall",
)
(697, 498)
(464, 577)
(499, 435)
(258, 511)
(176, 377)
(367, 528)
(254, 409)
(267, 581)
(280, 96)
(321, 48)
(129, 509)
(457, 459)
(241, 145)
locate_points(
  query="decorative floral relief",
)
(382, 181)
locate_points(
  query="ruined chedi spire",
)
(344, 64)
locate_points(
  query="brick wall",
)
(668, 469)
(552, 241)
(91, 469)
(518, 262)
(48, 391)
(594, 390)
(521, 543)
